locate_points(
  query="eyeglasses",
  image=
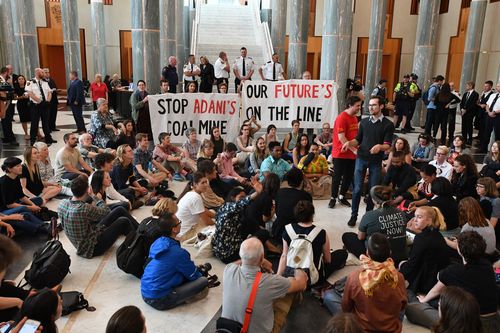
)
(480, 186)
(178, 224)
(440, 154)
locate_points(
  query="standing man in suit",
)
(53, 102)
(169, 73)
(485, 125)
(40, 95)
(468, 109)
(76, 100)
(242, 68)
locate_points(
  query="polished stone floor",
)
(107, 288)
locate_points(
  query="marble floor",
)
(107, 288)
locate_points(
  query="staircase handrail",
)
(196, 23)
(263, 34)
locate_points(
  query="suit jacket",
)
(469, 103)
(75, 93)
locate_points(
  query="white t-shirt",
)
(219, 70)
(444, 170)
(190, 67)
(490, 101)
(189, 208)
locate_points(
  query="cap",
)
(414, 76)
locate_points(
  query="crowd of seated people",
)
(433, 225)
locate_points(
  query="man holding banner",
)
(374, 137)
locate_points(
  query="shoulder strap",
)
(251, 300)
(313, 234)
(290, 231)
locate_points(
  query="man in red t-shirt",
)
(345, 129)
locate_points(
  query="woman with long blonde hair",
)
(31, 181)
(429, 253)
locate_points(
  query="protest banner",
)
(175, 113)
(313, 102)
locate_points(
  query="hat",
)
(414, 76)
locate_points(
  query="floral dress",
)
(98, 130)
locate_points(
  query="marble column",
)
(473, 38)
(71, 38)
(297, 46)
(336, 45)
(25, 37)
(179, 36)
(192, 16)
(498, 75)
(375, 46)
(9, 48)
(425, 45)
(187, 30)
(146, 43)
(168, 43)
(98, 36)
(278, 27)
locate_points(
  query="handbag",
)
(74, 301)
(225, 325)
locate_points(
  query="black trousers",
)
(53, 112)
(220, 80)
(118, 222)
(172, 89)
(452, 121)
(353, 244)
(8, 134)
(411, 111)
(468, 126)
(343, 169)
(441, 120)
(40, 111)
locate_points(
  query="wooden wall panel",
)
(456, 49)
(126, 54)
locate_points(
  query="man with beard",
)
(402, 177)
(69, 161)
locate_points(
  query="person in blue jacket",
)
(170, 277)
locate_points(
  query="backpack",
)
(132, 254)
(425, 96)
(300, 252)
(50, 263)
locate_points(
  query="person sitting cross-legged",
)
(92, 228)
(143, 163)
(171, 278)
(401, 176)
(274, 163)
(69, 160)
(376, 292)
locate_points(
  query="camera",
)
(6, 92)
(204, 268)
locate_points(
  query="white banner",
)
(313, 102)
(174, 113)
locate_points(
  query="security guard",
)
(242, 68)
(190, 72)
(272, 70)
(40, 95)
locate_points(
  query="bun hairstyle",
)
(381, 195)
(10, 162)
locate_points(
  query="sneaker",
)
(178, 177)
(344, 202)
(332, 203)
(352, 221)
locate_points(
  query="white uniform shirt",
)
(268, 69)
(190, 67)
(238, 65)
(32, 85)
(495, 107)
(219, 70)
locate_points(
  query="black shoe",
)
(352, 221)
(50, 141)
(11, 143)
(344, 202)
(403, 131)
(55, 130)
(332, 203)
(412, 129)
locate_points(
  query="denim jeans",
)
(179, 295)
(31, 224)
(360, 168)
(333, 301)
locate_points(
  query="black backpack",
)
(132, 254)
(50, 263)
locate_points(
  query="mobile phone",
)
(30, 326)
(4, 328)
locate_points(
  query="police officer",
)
(242, 68)
(403, 93)
(272, 70)
(221, 70)
(40, 95)
(191, 70)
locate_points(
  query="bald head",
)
(39, 73)
(252, 252)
